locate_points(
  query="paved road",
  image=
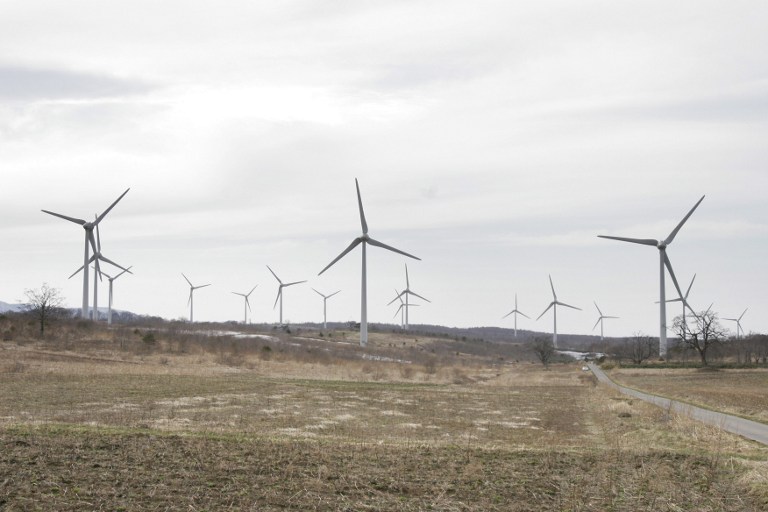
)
(746, 428)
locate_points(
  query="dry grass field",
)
(91, 425)
(735, 391)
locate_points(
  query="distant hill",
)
(15, 308)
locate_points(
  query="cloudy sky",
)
(494, 140)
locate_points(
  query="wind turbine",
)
(407, 292)
(661, 245)
(97, 256)
(247, 305)
(401, 308)
(364, 239)
(554, 304)
(738, 323)
(600, 320)
(325, 300)
(88, 227)
(280, 292)
(191, 301)
(516, 312)
(684, 298)
(111, 280)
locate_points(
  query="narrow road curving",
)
(746, 428)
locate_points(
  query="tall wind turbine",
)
(407, 292)
(738, 323)
(191, 300)
(88, 227)
(554, 305)
(516, 312)
(95, 259)
(661, 245)
(401, 308)
(111, 280)
(364, 239)
(280, 292)
(325, 300)
(247, 305)
(600, 320)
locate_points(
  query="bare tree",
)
(543, 349)
(700, 333)
(44, 304)
(641, 347)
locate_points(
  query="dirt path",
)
(740, 426)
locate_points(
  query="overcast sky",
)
(494, 140)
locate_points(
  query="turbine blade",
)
(419, 296)
(548, 308)
(642, 241)
(185, 277)
(104, 258)
(742, 315)
(611, 317)
(98, 237)
(334, 293)
(553, 288)
(360, 204)
(351, 246)
(75, 272)
(399, 295)
(91, 240)
(668, 264)
(273, 273)
(505, 316)
(250, 292)
(673, 234)
(690, 286)
(248, 303)
(279, 292)
(189, 301)
(98, 219)
(70, 219)
(320, 294)
(123, 272)
(390, 248)
(598, 321)
(567, 305)
(407, 283)
(521, 313)
(295, 282)
(240, 294)
(202, 286)
(598, 309)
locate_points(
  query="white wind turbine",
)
(401, 308)
(684, 298)
(600, 320)
(325, 300)
(554, 305)
(364, 239)
(247, 305)
(280, 292)
(191, 300)
(111, 280)
(738, 323)
(661, 245)
(516, 312)
(95, 259)
(407, 292)
(88, 227)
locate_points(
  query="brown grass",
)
(200, 429)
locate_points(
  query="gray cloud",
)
(25, 84)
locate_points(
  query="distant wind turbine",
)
(401, 308)
(325, 300)
(111, 280)
(247, 305)
(191, 301)
(600, 320)
(280, 292)
(684, 298)
(554, 305)
(738, 323)
(407, 292)
(516, 312)
(364, 239)
(661, 245)
(88, 227)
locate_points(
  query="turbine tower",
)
(407, 292)
(401, 308)
(554, 304)
(88, 227)
(364, 239)
(325, 300)
(600, 320)
(191, 301)
(661, 245)
(97, 256)
(280, 292)
(247, 305)
(111, 280)
(738, 323)
(516, 312)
